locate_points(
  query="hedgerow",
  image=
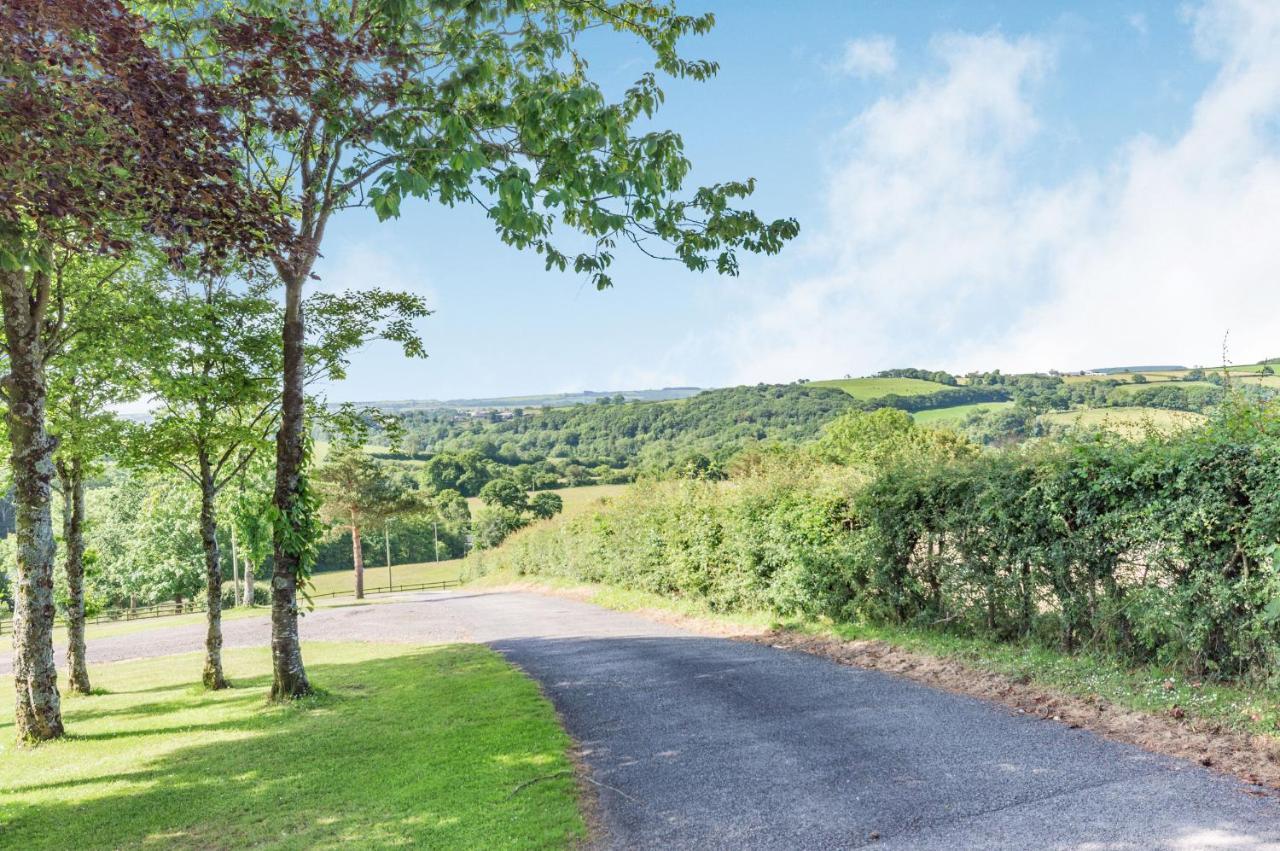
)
(1161, 549)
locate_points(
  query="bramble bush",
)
(1160, 549)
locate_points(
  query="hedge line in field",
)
(1161, 549)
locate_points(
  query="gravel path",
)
(708, 743)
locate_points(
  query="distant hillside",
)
(1116, 370)
(875, 387)
(605, 437)
(616, 438)
(544, 400)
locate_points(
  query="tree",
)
(251, 516)
(495, 524)
(545, 505)
(211, 370)
(95, 302)
(354, 102)
(149, 536)
(101, 139)
(504, 493)
(358, 491)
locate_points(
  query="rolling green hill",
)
(872, 388)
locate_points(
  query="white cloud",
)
(937, 250)
(1138, 21)
(873, 56)
(369, 265)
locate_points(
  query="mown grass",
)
(871, 388)
(413, 747)
(344, 581)
(1242, 707)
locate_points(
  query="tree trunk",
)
(213, 678)
(38, 708)
(72, 477)
(248, 582)
(289, 675)
(235, 569)
(357, 555)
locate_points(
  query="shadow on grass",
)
(416, 749)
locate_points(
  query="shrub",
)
(1162, 549)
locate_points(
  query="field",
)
(343, 581)
(575, 499)
(871, 388)
(957, 415)
(1126, 377)
(1137, 388)
(407, 746)
(1131, 421)
(1248, 380)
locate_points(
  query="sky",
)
(980, 185)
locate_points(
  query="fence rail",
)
(188, 607)
(439, 585)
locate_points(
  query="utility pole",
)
(435, 537)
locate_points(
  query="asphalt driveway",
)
(697, 742)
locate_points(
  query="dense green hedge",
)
(1161, 549)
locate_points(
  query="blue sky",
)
(979, 185)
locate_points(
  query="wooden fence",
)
(172, 608)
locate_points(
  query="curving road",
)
(706, 743)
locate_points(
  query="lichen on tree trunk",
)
(71, 477)
(289, 675)
(38, 709)
(213, 677)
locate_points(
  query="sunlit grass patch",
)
(417, 747)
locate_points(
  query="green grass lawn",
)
(957, 414)
(376, 577)
(871, 388)
(413, 747)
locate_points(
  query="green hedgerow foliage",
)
(1162, 549)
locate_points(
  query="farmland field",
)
(871, 388)
(331, 581)
(1136, 388)
(957, 414)
(1129, 421)
(575, 499)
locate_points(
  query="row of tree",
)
(163, 166)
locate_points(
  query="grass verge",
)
(417, 747)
